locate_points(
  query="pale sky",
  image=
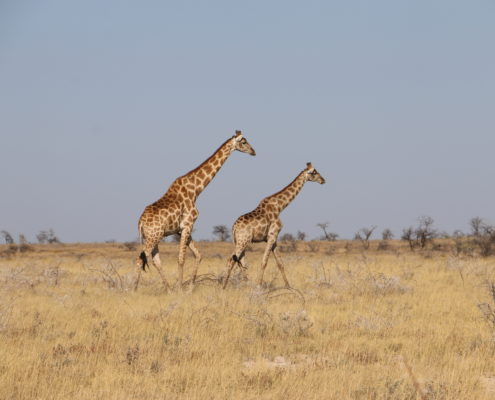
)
(104, 103)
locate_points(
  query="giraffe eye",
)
(243, 141)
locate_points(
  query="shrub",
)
(24, 244)
(301, 235)
(313, 246)
(483, 236)
(288, 243)
(488, 309)
(221, 232)
(47, 237)
(131, 246)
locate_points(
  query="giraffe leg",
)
(149, 255)
(232, 263)
(140, 263)
(243, 263)
(156, 256)
(280, 265)
(230, 266)
(264, 261)
(244, 267)
(234, 259)
(155, 260)
(271, 240)
(184, 240)
(197, 255)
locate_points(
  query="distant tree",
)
(7, 237)
(24, 244)
(486, 240)
(323, 226)
(458, 234)
(483, 236)
(332, 236)
(408, 235)
(49, 237)
(422, 235)
(42, 237)
(364, 235)
(425, 232)
(367, 232)
(301, 235)
(327, 235)
(221, 232)
(52, 238)
(476, 225)
(387, 234)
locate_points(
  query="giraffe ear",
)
(309, 165)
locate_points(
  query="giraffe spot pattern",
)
(263, 225)
(175, 212)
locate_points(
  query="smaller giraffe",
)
(263, 224)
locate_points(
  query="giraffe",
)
(263, 224)
(175, 212)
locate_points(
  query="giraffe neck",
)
(284, 197)
(201, 176)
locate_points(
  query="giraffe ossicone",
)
(175, 212)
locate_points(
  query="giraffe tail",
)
(144, 261)
(142, 255)
(140, 231)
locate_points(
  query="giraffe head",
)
(313, 175)
(241, 144)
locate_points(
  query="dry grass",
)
(375, 325)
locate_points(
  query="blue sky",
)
(104, 104)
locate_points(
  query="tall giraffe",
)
(175, 212)
(263, 224)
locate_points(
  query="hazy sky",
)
(104, 103)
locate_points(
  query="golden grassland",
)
(391, 324)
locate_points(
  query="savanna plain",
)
(379, 323)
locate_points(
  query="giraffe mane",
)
(208, 159)
(281, 190)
